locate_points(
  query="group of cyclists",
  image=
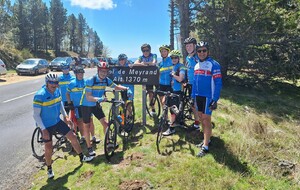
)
(83, 96)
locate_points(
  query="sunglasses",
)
(53, 82)
(174, 57)
(202, 50)
(65, 68)
(146, 50)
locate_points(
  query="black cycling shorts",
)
(164, 88)
(61, 128)
(87, 112)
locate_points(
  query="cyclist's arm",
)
(37, 117)
(120, 87)
(68, 97)
(90, 97)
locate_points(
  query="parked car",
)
(3, 70)
(33, 66)
(55, 64)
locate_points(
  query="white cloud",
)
(94, 4)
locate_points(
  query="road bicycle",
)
(163, 123)
(121, 122)
(153, 103)
(38, 143)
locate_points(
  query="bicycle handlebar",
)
(113, 100)
(168, 93)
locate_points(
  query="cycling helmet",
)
(78, 69)
(175, 53)
(166, 47)
(145, 46)
(65, 65)
(202, 44)
(51, 77)
(102, 65)
(190, 40)
(122, 56)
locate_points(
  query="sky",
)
(124, 25)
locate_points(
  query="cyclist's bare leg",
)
(92, 127)
(172, 120)
(75, 144)
(80, 126)
(48, 147)
(206, 126)
(162, 100)
(195, 112)
(86, 129)
(104, 123)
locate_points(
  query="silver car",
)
(33, 66)
(3, 70)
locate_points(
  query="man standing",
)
(47, 107)
(206, 91)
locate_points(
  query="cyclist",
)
(74, 93)
(191, 60)
(165, 69)
(92, 97)
(206, 91)
(147, 59)
(47, 107)
(64, 80)
(178, 73)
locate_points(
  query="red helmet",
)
(102, 65)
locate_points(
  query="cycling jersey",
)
(190, 64)
(150, 58)
(165, 69)
(75, 88)
(49, 104)
(130, 86)
(177, 86)
(207, 79)
(96, 87)
(64, 81)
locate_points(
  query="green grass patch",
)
(256, 137)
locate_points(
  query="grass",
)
(255, 144)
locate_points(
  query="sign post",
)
(136, 75)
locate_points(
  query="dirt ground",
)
(13, 78)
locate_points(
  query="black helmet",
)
(145, 46)
(78, 69)
(190, 40)
(122, 56)
(202, 44)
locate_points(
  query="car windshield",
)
(60, 59)
(30, 62)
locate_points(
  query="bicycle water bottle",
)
(120, 118)
(175, 109)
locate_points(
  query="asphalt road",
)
(17, 125)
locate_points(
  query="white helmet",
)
(51, 77)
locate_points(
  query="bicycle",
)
(118, 125)
(38, 144)
(154, 102)
(163, 123)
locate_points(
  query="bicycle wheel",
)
(188, 114)
(110, 140)
(154, 103)
(129, 117)
(162, 126)
(37, 144)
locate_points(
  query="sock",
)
(49, 167)
(81, 156)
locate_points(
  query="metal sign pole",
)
(144, 104)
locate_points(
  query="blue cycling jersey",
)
(64, 81)
(190, 64)
(165, 69)
(75, 88)
(130, 86)
(207, 79)
(150, 58)
(96, 87)
(177, 86)
(49, 105)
